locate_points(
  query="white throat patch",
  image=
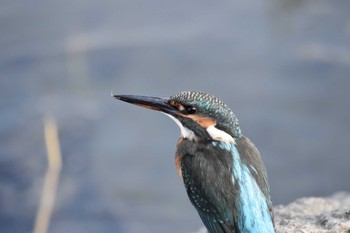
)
(219, 135)
(215, 133)
(185, 132)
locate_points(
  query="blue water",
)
(282, 66)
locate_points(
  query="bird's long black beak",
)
(155, 103)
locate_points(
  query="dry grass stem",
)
(51, 178)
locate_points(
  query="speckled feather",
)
(206, 175)
(226, 182)
(217, 189)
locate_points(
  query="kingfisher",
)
(222, 171)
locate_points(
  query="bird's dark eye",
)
(191, 110)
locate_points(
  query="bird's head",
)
(200, 116)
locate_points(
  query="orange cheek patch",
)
(205, 122)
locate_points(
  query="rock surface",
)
(313, 215)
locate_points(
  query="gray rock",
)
(313, 215)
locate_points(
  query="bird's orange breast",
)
(178, 166)
(178, 160)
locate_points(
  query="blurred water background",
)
(282, 66)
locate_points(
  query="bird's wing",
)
(217, 227)
(250, 156)
(209, 186)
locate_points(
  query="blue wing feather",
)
(222, 187)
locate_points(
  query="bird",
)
(222, 170)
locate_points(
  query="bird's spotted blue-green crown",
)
(210, 105)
